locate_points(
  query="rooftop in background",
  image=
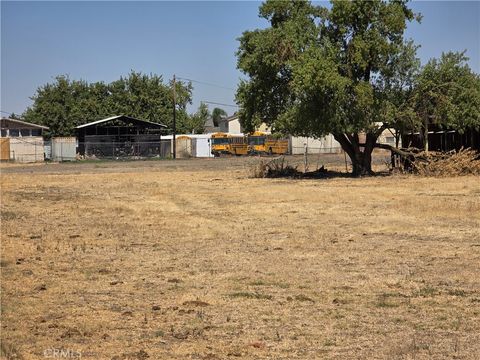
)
(19, 124)
(123, 118)
(229, 118)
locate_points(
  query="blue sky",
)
(100, 41)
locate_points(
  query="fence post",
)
(305, 160)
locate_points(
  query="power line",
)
(206, 83)
(10, 113)
(5, 112)
(174, 118)
(216, 103)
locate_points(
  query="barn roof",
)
(122, 118)
(20, 122)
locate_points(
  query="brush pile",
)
(455, 163)
(274, 169)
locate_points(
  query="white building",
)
(21, 141)
(324, 145)
(190, 145)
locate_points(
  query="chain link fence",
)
(125, 150)
(300, 150)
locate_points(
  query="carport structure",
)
(121, 136)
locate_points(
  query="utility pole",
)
(425, 134)
(174, 119)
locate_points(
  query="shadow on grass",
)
(320, 174)
(280, 168)
(330, 174)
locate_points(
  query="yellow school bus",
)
(262, 143)
(223, 143)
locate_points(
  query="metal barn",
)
(444, 139)
(121, 136)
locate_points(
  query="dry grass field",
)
(195, 260)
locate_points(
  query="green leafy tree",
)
(65, 104)
(398, 89)
(217, 115)
(447, 93)
(195, 124)
(316, 71)
(14, 116)
(57, 105)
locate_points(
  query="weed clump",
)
(273, 169)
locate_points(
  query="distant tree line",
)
(64, 104)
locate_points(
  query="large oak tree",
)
(316, 71)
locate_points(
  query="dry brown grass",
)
(174, 261)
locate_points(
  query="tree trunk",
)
(362, 164)
(361, 159)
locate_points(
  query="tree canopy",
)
(348, 70)
(447, 93)
(217, 115)
(65, 103)
(316, 70)
(195, 123)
